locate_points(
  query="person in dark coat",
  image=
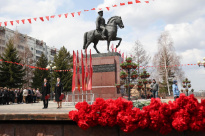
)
(4, 95)
(7, 92)
(58, 91)
(45, 92)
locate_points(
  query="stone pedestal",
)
(106, 73)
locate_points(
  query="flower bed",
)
(183, 114)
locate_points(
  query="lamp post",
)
(201, 63)
(51, 68)
(186, 85)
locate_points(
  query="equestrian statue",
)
(103, 31)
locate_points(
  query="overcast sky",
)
(184, 19)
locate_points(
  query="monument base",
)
(106, 73)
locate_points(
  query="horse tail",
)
(85, 39)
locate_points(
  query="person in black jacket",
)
(45, 92)
(12, 95)
(1, 96)
(4, 95)
(58, 91)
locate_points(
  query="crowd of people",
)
(19, 95)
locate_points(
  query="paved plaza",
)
(35, 108)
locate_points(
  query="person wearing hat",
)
(100, 24)
(175, 90)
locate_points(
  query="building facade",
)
(29, 49)
(35, 46)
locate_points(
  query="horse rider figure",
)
(100, 24)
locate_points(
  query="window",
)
(39, 52)
(21, 47)
(31, 48)
(37, 57)
(38, 42)
(53, 52)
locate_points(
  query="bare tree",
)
(21, 43)
(168, 62)
(140, 55)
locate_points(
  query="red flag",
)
(115, 49)
(121, 4)
(47, 17)
(91, 73)
(12, 22)
(53, 16)
(83, 72)
(86, 70)
(130, 2)
(41, 18)
(86, 10)
(74, 71)
(108, 8)
(66, 15)
(79, 13)
(146, 1)
(59, 15)
(23, 21)
(73, 14)
(35, 18)
(29, 20)
(93, 9)
(137, 1)
(78, 72)
(5, 23)
(123, 57)
(0, 23)
(100, 8)
(17, 21)
(114, 6)
(119, 52)
(112, 47)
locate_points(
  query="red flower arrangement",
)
(183, 114)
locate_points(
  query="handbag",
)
(61, 97)
(47, 97)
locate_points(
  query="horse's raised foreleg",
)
(108, 44)
(95, 46)
(117, 38)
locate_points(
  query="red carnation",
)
(82, 124)
(73, 115)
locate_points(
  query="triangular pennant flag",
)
(86, 10)
(0, 23)
(100, 8)
(114, 6)
(12, 22)
(79, 13)
(5, 23)
(130, 2)
(17, 21)
(137, 1)
(121, 4)
(66, 15)
(23, 21)
(73, 14)
(29, 20)
(146, 1)
(35, 18)
(59, 15)
(53, 16)
(41, 18)
(93, 9)
(108, 8)
(47, 17)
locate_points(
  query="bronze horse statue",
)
(94, 36)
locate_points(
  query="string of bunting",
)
(73, 14)
(34, 66)
(72, 69)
